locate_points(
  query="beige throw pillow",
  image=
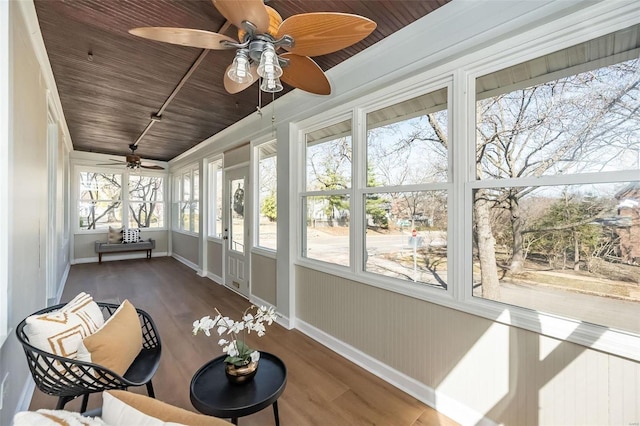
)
(122, 408)
(114, 236)
(117, 343)
(61, 332)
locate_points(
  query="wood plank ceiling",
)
(110, 82)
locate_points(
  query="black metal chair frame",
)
(69, 378)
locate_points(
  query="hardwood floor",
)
(323, 388)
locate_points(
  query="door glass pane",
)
(236, 213)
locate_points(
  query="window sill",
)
(191, 234)
(270, 253)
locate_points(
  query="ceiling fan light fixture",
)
(271, 85)
(239, 71)
(269, 68)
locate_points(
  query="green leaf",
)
(243, 349)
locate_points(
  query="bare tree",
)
(565, 125)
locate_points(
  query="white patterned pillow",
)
(60, 332)
(131, 235)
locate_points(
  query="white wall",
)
(28, 217)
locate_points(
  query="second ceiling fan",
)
(262, 33)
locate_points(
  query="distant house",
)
(629, 209)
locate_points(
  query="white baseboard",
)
(123, 256)
(433, 398)
(281, 319)
(215, 278)
(187, 262)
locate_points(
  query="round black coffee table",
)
(212, 394)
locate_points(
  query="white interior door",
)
(236, 231)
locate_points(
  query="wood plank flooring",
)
(323, 388)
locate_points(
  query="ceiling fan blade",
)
(183, 36)
(237, 11)
(114, 162)
(303, 73)
(321, 33)
(151, 166)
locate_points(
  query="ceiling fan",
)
(133, 161)
(262, 33)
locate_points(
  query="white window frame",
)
(254, 179)
(124, 196)
(214, 166)
(127, 200)
(579, 27)
(310, 126)
(178, 180)
(87, 169)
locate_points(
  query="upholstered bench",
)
(103, 247)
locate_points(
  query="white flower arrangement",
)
(238, 353)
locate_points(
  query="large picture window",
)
(267, 182)
(556, 203)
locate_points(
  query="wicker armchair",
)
(84, 378)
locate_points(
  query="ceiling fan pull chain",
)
(273, 114)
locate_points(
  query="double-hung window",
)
(326, 199)
(100, 200)
(187, 189)
(405, 197)
(146, 201)
(266, 189)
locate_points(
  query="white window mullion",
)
(124, 196)
(358, 182)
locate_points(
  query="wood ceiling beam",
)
(157, 116)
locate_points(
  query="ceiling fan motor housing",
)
(274, 23)
(133, 161)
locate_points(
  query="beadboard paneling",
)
(263, 278)
(512, 376)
